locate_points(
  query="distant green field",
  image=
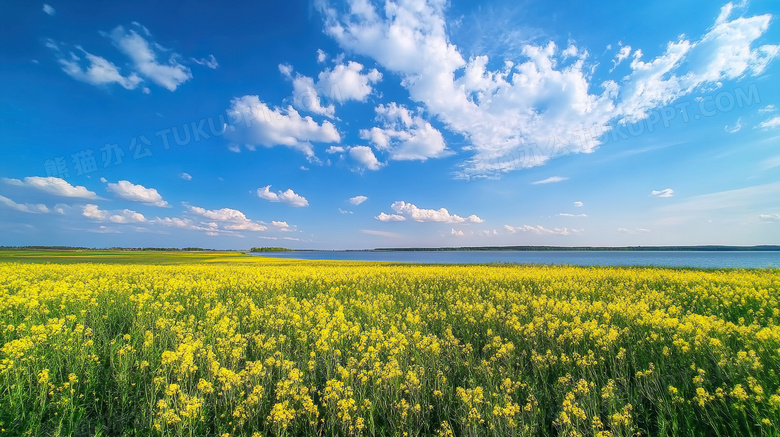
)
(119, 256)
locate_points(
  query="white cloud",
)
(767, 108)
(525, 113)
(578, 204)
(98, 72)
(734, 129)
(225, 220)
(321, 56)
(566, 214)
(282, 226)
(186, 176)
(666, 192)
(246, 226)
(220, 215)
(633, 231)
(440, 215)
(342, 83)
(137, 193)
(259, 125)
(541, 230)
(550, 180)
(621, 55)
(346, 82)
(769, 217)
(357, 200)
(405, 136)
(48, 9)
(455, 233)
(344, 211)
(770, 124)
(172, 222)
(287, 196)
(335, 149)
(365, 156)
(143, 54)
(54, 186)
(169, 75)
(92, 211)
(24, 207)
(305, 94)
(382, 217)
(210, 62)
(128, 216)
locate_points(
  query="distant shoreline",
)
(707, 248)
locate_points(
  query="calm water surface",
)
(700, 259)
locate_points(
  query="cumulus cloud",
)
(383, 217)
(666, 192)
(52, 185)
(456, 233)
(224, 220)
(38, 208)
(174, 222)
(259, 125)
(48, 9)
(340, 84)
(547, 105)
(334, 149)
(578, 204)
(541, 230)
(93, 212)
(441, 215)
(186, 176)
(287, 196)
(246, 226)
(770, 124)
(137, 193)
(305, 94)
(365, 156)
(220, 215)
(404, 135)
(282, 226)
(128, 216)
(347, 82)
(550, 180)
(357, 200)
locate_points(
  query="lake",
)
(701, 259)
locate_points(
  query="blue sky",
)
(360, 124)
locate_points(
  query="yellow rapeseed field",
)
(318, 348)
